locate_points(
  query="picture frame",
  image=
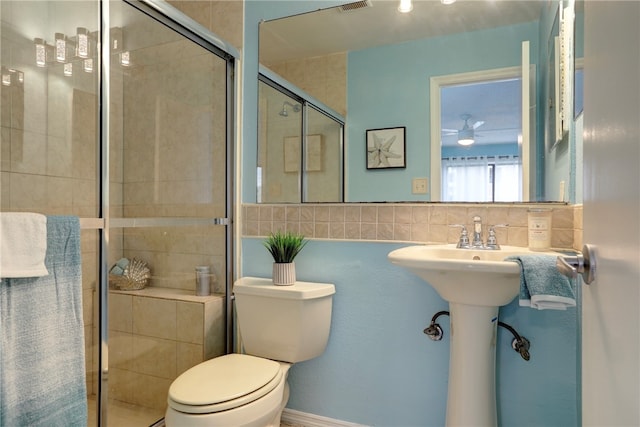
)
(386, 147)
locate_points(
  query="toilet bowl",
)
(279, 325)
(231, 390)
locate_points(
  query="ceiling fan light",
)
(465, 136)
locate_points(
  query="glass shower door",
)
(49, 137)
(140, 153)
(167, 191)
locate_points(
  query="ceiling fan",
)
(466, 135)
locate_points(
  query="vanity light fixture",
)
(125, 58)
(41, 52)
(6, 77)
(83, 44)
(60, 47)
(87, 65)
(68, 69)
(405, 6)
(11, 77)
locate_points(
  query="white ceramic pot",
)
(284, 273)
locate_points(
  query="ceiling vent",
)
(350, 7)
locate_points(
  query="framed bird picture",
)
(386, 148)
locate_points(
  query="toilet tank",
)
(285, 323)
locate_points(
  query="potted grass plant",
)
(284, 247)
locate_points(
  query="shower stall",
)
(290, 168)
(122, 113)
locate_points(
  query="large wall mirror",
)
(376, 67)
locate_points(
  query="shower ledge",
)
(170, 293)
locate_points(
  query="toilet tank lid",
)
(299, 290)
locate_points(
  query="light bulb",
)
(466, 141)
(405, 6)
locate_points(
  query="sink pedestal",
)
(475, 283)
(471, 399)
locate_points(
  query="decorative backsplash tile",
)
(408, 222)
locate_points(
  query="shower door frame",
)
(190, 29)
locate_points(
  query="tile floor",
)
(127, 415)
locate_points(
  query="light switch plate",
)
(419, 186)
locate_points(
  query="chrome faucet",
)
(477, 233)
(477, 242)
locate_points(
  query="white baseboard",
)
(304, 419)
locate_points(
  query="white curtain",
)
(508, 181)
(468, 179)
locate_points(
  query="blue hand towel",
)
(542, 286)
(42, 366)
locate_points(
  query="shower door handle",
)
(221, 221)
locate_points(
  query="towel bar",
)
(582, 263)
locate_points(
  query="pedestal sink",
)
(476, 283)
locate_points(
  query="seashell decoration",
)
(135, 276)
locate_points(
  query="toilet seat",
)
(224, 383)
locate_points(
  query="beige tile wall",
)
(224, 18)
(174, 149)
(323, 77)
(155, 335)
(577, 228)
(406, 222)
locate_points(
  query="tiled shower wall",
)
(323, 77)
(408, 222)
(169, 172)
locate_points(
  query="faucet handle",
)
(463, 242)
(492, 240)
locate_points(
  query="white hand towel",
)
(23, 244)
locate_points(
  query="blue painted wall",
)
(380, 369)
(389, 86)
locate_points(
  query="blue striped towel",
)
(542, 286)
(42, 366)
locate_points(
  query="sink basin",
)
(465, 276)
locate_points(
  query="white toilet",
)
(279, 325)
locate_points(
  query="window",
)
(482, 179)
